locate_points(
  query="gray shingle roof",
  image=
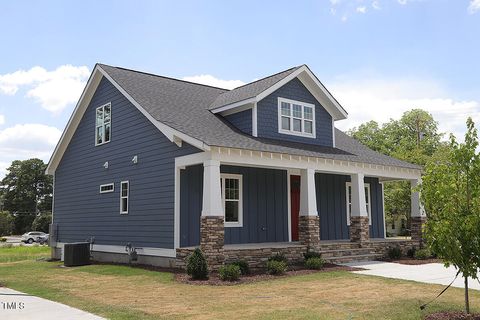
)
(184, 106)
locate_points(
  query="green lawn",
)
(120, 292)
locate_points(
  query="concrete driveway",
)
(15, 305)
(434, 273)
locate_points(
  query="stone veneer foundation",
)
(416, 227)
(359, 229)
(212, 234)
(309, 231)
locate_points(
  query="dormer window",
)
(103, 124)
(296, 118)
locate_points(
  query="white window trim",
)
(291, 132)
(127, 196)
(107, 185)
(96, 133)
(368, 200)
(224, 176)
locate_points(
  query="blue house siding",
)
(242, 120)
(81, 212)
(267, 115)
(265, 208)
(332, 206)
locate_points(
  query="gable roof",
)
(181, 111)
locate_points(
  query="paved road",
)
(434, 273)
(15, 305)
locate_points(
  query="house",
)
(165, 165)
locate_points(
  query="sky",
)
(379, 58)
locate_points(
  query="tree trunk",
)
(467, 302)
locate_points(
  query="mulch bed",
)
(214, 279)
(410, 261)
(452, 315)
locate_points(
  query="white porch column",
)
(359, 224)
(308, 222)
(418, 216)
(212, 229)
(308, 197)
(212, 195)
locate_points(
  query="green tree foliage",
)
(451, 196)
(413, 138)
(42, 222)
(26, 190)
(6, 223)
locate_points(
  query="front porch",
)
(249, 206)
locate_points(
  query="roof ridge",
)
(164, 77)
(272, 75)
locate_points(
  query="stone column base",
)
(359, 229)
(309, 231)
(416, 227)
(212, 232)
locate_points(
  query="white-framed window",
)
(124, 193)
(106, 188)
(367, 201)
(103, 124)
(232, 199)
(296, 118)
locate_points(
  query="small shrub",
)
(394, 253)
(276, 267)
(8, 245)
(3, 239)
(422, 254)
(314, 263)
(197, 265)
(280, 257)
(243, 265)
(229, 272)
(311, 254)
(411, 252)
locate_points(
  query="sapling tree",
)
(451, 195)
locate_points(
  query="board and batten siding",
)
(265, 207)
(332, 206)
(81, 212)
(267, 115)
(241, 120)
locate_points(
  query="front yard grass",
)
(121, 292)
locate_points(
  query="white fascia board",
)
(234, 105)
(144, 251)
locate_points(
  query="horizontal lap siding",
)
(267, 115)
(242, 120)
(265, 209)
(81, 212)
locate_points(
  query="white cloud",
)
(361, 9)
(402, 2)
(25, 141)
(474, 6)
(54, 90)
(382, 99)
(2, 119)
(215, 82)
(376, 5)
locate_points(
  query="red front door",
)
(295, 204)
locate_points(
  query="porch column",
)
(418, 216)
(359, 224)
(212, 220)
(309, 222)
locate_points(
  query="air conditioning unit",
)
(76, 254)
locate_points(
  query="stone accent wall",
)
(212, 233)
(359, 229)
(416, 227)
(309, 231)
(382, 246)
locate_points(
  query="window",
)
(105, 188)
(124, 193)
(367, 202)
(103, 124)
(231, 185)
(296, 118)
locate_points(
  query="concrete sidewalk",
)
(16, 305)
(434, 273)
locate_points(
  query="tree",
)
(451, 195)
(42, 222)
(6, 223)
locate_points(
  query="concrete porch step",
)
(346, 252)
(354, 258)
